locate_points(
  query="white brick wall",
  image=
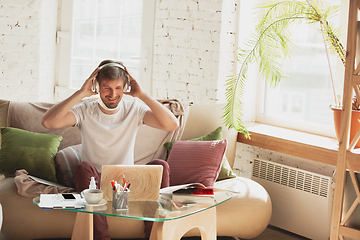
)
(27, 49)
(189, 58)
(187, 49)
(193, 54)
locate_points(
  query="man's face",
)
(111, 91)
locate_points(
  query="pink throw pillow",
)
(196, 161)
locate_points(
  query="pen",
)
(113, 185)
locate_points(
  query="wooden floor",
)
(271, 233)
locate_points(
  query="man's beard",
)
(107, 107)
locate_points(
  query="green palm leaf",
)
(270, 44)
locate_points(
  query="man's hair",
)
(112, 72)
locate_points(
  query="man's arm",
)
(159, 117)
(59, 116)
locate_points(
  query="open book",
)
(46, 182)
(190, 188)
(188, 193)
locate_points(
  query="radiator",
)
(301, 200)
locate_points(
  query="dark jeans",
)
(82, 174)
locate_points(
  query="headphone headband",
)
(96, 87)
(113, 64)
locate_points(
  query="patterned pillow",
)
(65, 161)
(196, 161)
(225, 170)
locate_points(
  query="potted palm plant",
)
(271, 43)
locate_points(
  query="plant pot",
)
(354, 127)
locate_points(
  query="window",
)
(302, 101)
(95, 30)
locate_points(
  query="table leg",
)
(205, 221)
(83, 227)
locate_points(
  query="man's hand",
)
(136, 89)
(86, 88)
(59, 115)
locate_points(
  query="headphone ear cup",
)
(97, 87)
(126, 86)
(93, 87)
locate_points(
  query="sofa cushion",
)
(196, 161)
(65, 161)
(225, 170)
(27, 116)
(33, 152)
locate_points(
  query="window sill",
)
(305, 145)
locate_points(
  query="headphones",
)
(96, 87)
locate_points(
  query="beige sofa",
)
(245, 215)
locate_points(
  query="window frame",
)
(64, 37)
(254, 92)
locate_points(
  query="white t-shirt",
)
(109, 139)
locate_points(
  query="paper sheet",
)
(54, 201)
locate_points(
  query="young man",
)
(108, 126)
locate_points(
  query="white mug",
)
(92, 196)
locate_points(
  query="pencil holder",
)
(121, 200)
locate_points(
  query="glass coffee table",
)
(171, 220)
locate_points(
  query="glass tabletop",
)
(161, 210)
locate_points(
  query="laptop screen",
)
(145, 180)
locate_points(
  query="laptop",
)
(145, 180)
